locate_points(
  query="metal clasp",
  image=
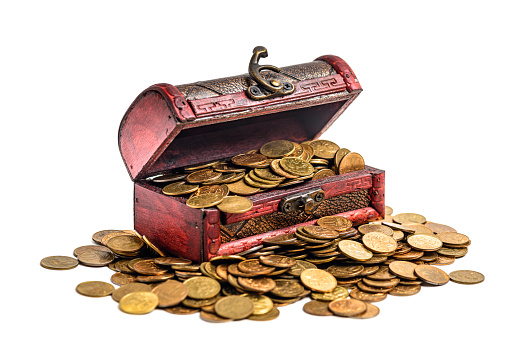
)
(265, 89)
(306, 201)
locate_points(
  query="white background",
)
(432, 115)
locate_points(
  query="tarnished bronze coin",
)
(168, 261)
(262, 304)
(320, 232)
(151, 279)
(453, 238)
(338, 292)
(347, 307)
(95, 289)
(277, 261)
(424, 242)
(120, 278)
(300, 266)
(324, 148)
(202, 287)
(323, 173)
(341, 153)
(287, 288)
(91, 248)
(411, 255)
(351, 162)
(345, 272)
(170, 293)
(180, 309)
(59, 262)
(379, 242)
(403, 269)
(439, 228)
(96, 258)
(405, 290)
(138, 303)
(409, 217)
(277, 148)
(257, 284)
(367, 228)
(254, 266)
(148, 267)
(381, 283)
(179, 188)
(318, 280)
(125, 244)
(316, 307)
(169, 177)
(296, 166)
(234, 307)
(453, 252)
(235, 204)
(97, 236)
(241, 188)
(467, 277)
(249, 159)
(336, 223)
(366, 296)
(431, 274)
(371, 312)
(354, 250)
(123, 290)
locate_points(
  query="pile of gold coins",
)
(342, 268)
(276, 164)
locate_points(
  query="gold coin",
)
(241, 188)
(371, 312)
(226, 168)
(202, 176)
(338, 292)
(318, 280)
(398, 235)
(323, 173)
(125, 244)
(316, 307)
(296, 166)
(409, 217)
(180, 309)
(204, 200)
(350, 163)
(268, 174)
(424, 242)
(251, 182)
(379, 242)
(453, 252)
(344, 272)
(253, 176)
(257, 284)
(120, 278)
(300, 266)
(152, 246)
(405, 290)
(341, 153)
(254, 266)
(219, 189)
(275, 166)
(347, 307)
(249, 159)
(320, 232)
(235, 204)
(275, 260)
(439, 228)
(308, 149)
(223, 179)
(148, 267)
(170, 293)
(388, 210)
(95, 289)
(336, 223)
(431, 275)
(287, 288)
(324, 148)
(467, 277)
(272, 314)
(453, 238)
(262, 304)
(403, 269)
(323, 162)
(202, 287)
(366, 296)
(354, 250)
(169, 177)
(96, 258)
(138, 303)
(150, 279)
(198, 303)
(123, 290)
(277, 148)
(198, 167)
(179, 188)
(97, 236)
(234, 307)
(212, 317)
(59, 262)
(364, 229)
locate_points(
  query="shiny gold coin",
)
(251, 182)
(298, 152)
(371, 312)
(341, 153)
(323, 173)
(350, 163)
(322, 162)
(268, 174)
(262, 304)
(453, 238)
(271, 315)
(179, 188)
(249, 159)
(225, 178)
(467, 277)
(204, 200)
(405, 290)
(378, 242)
(275, 166)
(202, 287)
(296, 166)
(96, 258)
(252, 174)
(277, 148)
(123, 290)
(148, 267)
(254, 266)
(354, 250)
(257, 284)
(431, 275)
(151, 279)
(59, 262)
(320, 232)
(202, 176)
(308, 149)
(219, 189)
(318, 280)
(138, 303)
(336, 223)
(280, 261)
(234, 307)
(241, 188)
(381, 283)
(439, 228)
(367, 228)
(347, 307)
(338, 292)
(403, 269)
(235, 204)
(95, 289)
(424, 242)
(170, 293)
(409, 217)
(316, 307)
(125, 244)
(169, 177)
(324, 148)
(97, 236)
(366, 296)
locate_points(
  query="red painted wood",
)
(172, 226)
(357, 216)
(344, 70)
(377, 193)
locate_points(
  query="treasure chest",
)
(169, 129)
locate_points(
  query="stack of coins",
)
(343, 270)
(276, 164)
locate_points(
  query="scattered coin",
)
(95, 288)
(324, 148)
(431, 274)
(120, 278)
(170, 293)
(379, 242)
(316, 307)
(202, 287)
(467, 277)
(234, 307)
(354, 250)
(347, 307)
(179, 188)
(138, 303)
(318, 280)
(59, 262)
(123, 290)
(424, 242)
(277, 148)
(204, 200)
(350, 163)
(405, 290)
(271, 315)
(371, 312)
(403, 269)
(235, 204)
(453, 238)
(409, 217)
(366, 296)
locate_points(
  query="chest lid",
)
(168, 127)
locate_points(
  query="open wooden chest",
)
(168, 128)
